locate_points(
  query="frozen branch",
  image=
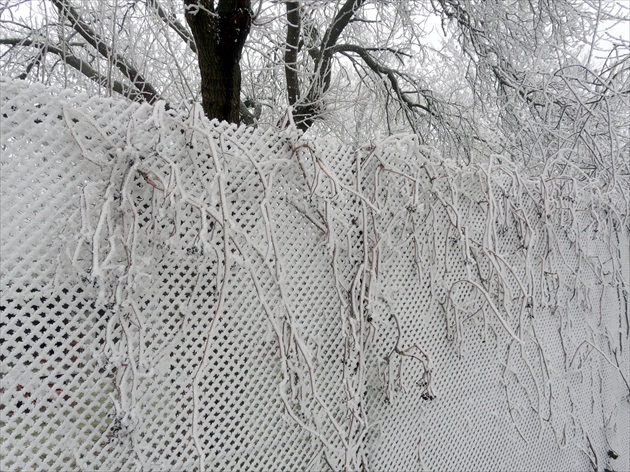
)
(67, 11)
(78, 64)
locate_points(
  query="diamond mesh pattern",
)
(179, 294)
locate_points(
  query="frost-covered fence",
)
(183, 295)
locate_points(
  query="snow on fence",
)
(179, 294)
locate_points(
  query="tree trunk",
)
(219, 38)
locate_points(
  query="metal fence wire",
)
(180, 294)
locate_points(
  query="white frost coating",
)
(181, 294)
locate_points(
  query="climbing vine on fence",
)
(234, 281)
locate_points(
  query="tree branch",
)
(247, 117)
(78, 64)
(140, 83)
(343, 17)
(386, 71)
(305, 113)
(181, 31)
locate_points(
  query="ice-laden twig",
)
(545, 224)
(605, 357)
(220, 302)
(488, 248)
(118, 225)
(534, 206)
(221, 219)
(319, 165)
(414, 352)
(290, 337)
(457, 220)
(504, 381)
